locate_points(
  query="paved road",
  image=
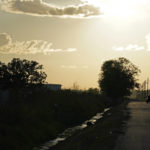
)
(137, 134)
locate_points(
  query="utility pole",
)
(147, 86)
(142, 90)
(145, 89)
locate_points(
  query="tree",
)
(118, 77)
(94, 91)
(22, 73)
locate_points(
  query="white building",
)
(54, 87)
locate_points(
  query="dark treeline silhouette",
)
(21, 73)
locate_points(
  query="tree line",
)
(117, 78)
(21, 73)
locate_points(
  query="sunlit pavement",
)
(137, 133)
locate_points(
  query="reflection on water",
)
(68, 132)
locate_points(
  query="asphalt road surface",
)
(137, 133)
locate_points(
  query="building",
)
(3, 85)
(4, 92)
(53, 87)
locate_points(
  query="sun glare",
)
(119, 8)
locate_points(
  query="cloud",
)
(135, 47)
(41, 8)
(69, 67)
(85, 67)
(4, 39)
(8, 46)
(71, 49)
(73, 67)
(147, 37)
(130, 47)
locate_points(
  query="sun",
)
(119, 8)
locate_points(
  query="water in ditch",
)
(68, 132)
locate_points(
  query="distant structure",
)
(4, 92)
(53, 87)
(3, 85)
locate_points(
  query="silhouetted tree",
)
(118, 77)
(93, 90)
(22, 73)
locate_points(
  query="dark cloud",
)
(40, 8)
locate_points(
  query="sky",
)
(73, 38)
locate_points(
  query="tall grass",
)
(33, 116)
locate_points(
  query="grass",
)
(33, 117)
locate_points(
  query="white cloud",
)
(69, 67)
(41, 8)
(135, 47)
(73, 67)
(147, 37)
(130, 47)
(8, 46)
(71, 49)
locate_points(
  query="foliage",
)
(35, 116)
(93, 91)
(21, 73)
(118, 77)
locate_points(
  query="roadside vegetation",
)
(34, 116)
